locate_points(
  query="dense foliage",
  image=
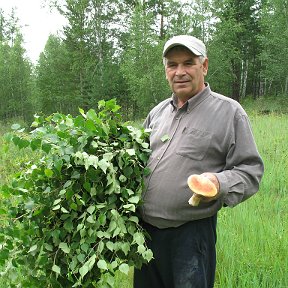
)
(112, 49)
(71, 215)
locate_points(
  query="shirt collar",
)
(193, 101)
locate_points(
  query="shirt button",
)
(158, 158)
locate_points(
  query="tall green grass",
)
(252, 245)
(11, 158)
(252, 248)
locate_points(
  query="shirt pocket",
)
(194, 144)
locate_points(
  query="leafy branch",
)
(76, 206)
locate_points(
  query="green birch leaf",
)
(83, 270)
(101, 264)
(124, 268)
(122, 178)
(110, 245)
(56, 269)
(62, 192)
(134, 199)
(48, 247)
(141, 249)
(64, 247)
(48, 172)
(57, 201)
(134, 219)
(32, 248)
(91, 209)
(90, 219)
(125, 247)
(139, 238)
(81, 257)
(57, 207)
(88, 265)
(103, 164)
(148, 255)
(127, 171)
(82, 112)
(145, 145)
(131, 152)
(165, 138)
(129, 207)
(68, 225)
(64, 210)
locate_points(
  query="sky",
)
(37, 23)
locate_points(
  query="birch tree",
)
(274, 38)
(15, 70)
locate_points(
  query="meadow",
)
(252, 244)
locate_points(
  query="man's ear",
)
(205, 67)
(166, 77)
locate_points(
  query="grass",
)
(252, 247)
(252, 237)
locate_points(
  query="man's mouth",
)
(181, 81)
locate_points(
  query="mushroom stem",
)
(194, 200)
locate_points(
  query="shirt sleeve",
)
(244, 167)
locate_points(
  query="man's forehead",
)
(180, 55)
(180, 51)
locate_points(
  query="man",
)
(197, 131)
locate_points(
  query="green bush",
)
(73, 220)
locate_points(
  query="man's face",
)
(185, 73)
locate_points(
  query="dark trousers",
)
(184, 257)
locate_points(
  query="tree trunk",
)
(244, 74)
(262, 87)
(236, 81)
(162, 21)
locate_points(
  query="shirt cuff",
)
(223, 184)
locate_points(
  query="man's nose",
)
(180, 70)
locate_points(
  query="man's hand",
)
(215, 181)
(205, 188)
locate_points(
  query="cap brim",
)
(192, 49)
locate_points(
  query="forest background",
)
(112, 49)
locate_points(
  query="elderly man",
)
(196, 131)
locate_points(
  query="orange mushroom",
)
(202, 187)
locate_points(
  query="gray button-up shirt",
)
(210, 133)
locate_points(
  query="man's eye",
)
(171, 65)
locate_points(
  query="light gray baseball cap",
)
(195, 45)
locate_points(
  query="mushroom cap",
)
(201, 185)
